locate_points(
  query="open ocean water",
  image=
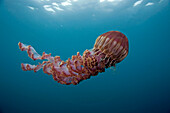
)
(140, 83)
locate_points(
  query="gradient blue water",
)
(140, 83)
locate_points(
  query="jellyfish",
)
(109, 49)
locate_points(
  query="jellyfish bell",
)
(114, 45)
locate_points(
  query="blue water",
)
(141, 82)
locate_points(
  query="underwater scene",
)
(85, 56)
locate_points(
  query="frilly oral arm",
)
(35, 56)
(70, 72)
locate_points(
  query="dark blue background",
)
(140, 84)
